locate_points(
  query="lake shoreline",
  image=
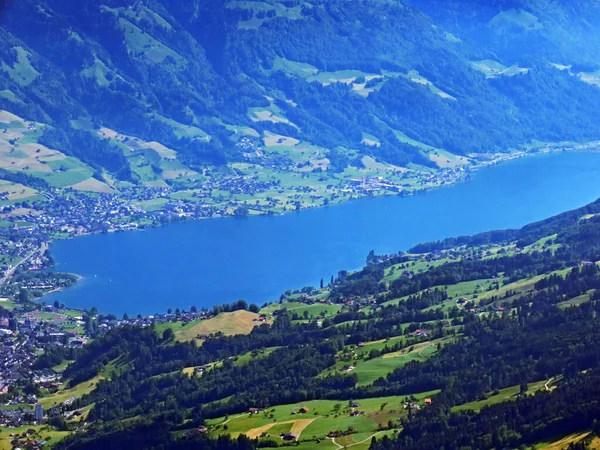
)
(226, 298)
(594, 148)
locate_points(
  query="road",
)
(11, 271)
(356, 443)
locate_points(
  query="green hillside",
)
(207, 83)
(493, 339)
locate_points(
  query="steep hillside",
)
(209, 80)
(493, 342)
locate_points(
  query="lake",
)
(209, 262)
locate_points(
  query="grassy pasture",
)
(447, 160)
(370, 140)
(97, 71)
(245, 358)
(10, 95)
(6, 303)
(16, 191)
(373, 165)
(64, 179)
(577, 300)
(138, 41)
(21, 72)
(394, 272)
(273, 140)
(410, 141)
(415, 77)
(339, 76)
(44, 432)
(507, 394)
(143, 13)
(521, 286)
(92, 185)
(302, 70)
(322, 417)
(299, 308)
(562, 443)
(493, 69)
(64, 393)
(237, 129)
(181, 130)
(370, 370)
(153, 204)
(62, 366)
(19, 151)
(237, 322)
(269, 114)
(470, 288)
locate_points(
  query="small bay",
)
(210, 262)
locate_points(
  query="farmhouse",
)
(420, 333)
(255, 410)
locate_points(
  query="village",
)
(27, 334)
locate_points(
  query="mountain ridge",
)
(223, 59)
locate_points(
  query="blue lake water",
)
(209, 262)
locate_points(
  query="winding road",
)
(356, 443)
(12, 270)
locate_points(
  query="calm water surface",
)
(209, 262)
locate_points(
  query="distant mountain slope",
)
(559, 31)
(469, 78)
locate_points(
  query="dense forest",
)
(184, 73)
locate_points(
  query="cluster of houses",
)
(30, 439)
(250, 147)
(420, 332)
(370, 184)
(21, 415)
(415, 406)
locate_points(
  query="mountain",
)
(490, 343)
(145, 91)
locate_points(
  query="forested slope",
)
(197, 76)
(465, 327)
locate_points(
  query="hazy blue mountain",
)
(466, 77)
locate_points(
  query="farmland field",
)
(237, 322)
(507, 394)
(66, 393)
(321, 417)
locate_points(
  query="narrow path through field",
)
(421, 351)
(338, 445)
(231, 418)
(298, 428)
(356, 443)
